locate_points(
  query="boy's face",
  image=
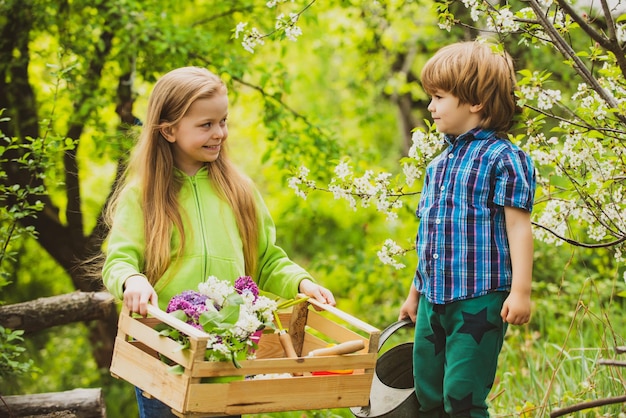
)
(453, 118)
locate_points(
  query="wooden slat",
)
(337, 332)
(150, 374)
(284, 365)
(148, 336)
(277, 395)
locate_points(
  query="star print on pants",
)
(461, 405)
(476, 325)
(438, 338)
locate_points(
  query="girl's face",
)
(198, 137)
(453, 118)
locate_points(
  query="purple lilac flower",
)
(246, 284)
(191, 302)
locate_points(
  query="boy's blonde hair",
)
(151, 167)
(475, 73)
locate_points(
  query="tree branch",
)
(43, 313)
(564, 48)
(578, 243)
(611, 43)
(586, 405)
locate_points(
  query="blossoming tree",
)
(577, 140)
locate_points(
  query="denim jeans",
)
(154, 408)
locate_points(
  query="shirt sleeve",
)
(125, 245)
(276, 273)
(515, 181)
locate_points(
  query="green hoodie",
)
(213, 245)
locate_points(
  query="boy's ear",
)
(475, 108)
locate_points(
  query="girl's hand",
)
(137, 293)
(321, 294)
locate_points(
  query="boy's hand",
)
(408, 310)
(137, 293)
(516, 309)
(409, 307)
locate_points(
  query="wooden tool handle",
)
(285, 342)
(344, 348)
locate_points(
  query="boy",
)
(474, 241)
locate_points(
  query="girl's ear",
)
(476, 108)
(166, 131)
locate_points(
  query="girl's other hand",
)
(317, 292)
(137, 293)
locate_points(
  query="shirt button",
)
(435, 256)
(442, 188)
(438, 221)
(450, 155)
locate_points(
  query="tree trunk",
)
(42, 313)
(79, 403)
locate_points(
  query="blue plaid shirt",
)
(462, 244)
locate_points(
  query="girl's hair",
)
(151, 168)
(475, 73)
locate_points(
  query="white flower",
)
(343, 170)
(411, 172)
(251, 39)
(221, 348)
(246, 324)
(503, 20)
(265, 307)
(388, 252)
(215, 289)
(547, 98)
(292, 32)
(241, 26)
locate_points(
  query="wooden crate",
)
(136, 360)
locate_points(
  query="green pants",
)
(455, 355)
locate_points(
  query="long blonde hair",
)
(151, 167)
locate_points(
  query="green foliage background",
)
(332, 94)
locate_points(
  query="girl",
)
(184, 212)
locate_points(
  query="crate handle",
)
(344, 316)
(172, 321)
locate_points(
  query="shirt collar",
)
(472, 134)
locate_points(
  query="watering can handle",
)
(387, 332)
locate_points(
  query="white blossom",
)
(343, 170)
(241, 26)
(503, 20)
(411, 173)
(215, 289)
(387, 253)
(547, 98)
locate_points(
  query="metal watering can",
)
(392, 393)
